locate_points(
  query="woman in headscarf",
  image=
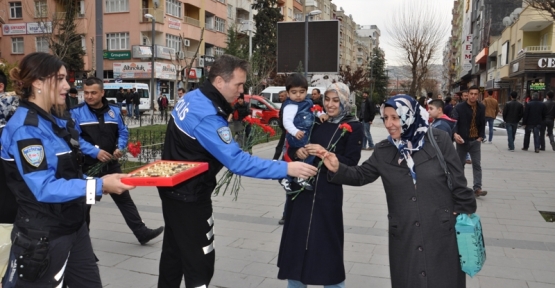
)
(8, 205)
(311, 250)
(423, 248)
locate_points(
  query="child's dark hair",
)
(437, 103)
(295, 80)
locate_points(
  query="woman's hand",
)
(112, 184)
(315, 149)
(302, 153)
(331, 161)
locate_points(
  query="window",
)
(290, 13)
(42, 44)
(230, 12)
(117, 41)
(299, 17)
(221, 1)
(117, 6)
(173, 7)
(209, 22)
(220, 24)
(17, 45)
(81, 9)
(41, 11)
(218, 51)
(16, 11)
(84, 43)
(173, 41)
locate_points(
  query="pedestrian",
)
(367, 114)
(279, 147)
(441, 121)
(120, 97)
(163, 105)
(429, 97)
(40, 152)
(422, 209)
(548, 121)
(129, 103)
(492, 110)
(317, 97)
(103, 137)
(71, 98)
(243, 110)
(462, 99)
(448, 106)
(469, 134)
(180, 93)
(512, 114)
(534, 115)
(314, 220)
(198, 131)
(136, 103)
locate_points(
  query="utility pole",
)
(99, 31)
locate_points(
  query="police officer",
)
(103, 138)
(198, 131)
(40, 151)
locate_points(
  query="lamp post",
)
(152, 81)
(309, 14)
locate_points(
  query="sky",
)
(378, 12)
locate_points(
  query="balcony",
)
(537, 49)
(191, 21)
(157, 13)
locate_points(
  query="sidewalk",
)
(520, 244)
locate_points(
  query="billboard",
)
(323, 47)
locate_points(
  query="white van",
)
(272, 93)
(110, 90)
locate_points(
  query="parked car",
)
(259, 104)
(499, 128)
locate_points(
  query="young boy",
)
(297, 120)
(441, 121)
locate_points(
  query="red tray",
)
(165, 181)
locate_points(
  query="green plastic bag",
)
(470, 240)
(5, 247)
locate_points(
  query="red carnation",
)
(346, 127)
(316, 108)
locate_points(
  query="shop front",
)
(165, 75)
(534, 72)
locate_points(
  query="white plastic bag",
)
(5, 247)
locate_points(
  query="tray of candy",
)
(165, 173)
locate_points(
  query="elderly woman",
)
(423, 248)
(311, 250)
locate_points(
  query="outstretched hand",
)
(301, 170)
(112, 184)
(331, 161)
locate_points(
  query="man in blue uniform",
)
(198, 131)
(103, 138)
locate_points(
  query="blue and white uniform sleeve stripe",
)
(231, 155)
(123, 132)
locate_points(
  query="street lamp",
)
(309, 14)
(152, 81)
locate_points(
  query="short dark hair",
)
(514, 95)
(474, 87)
(438, 103)
(550, 94)
(94, 80)
(365, 93)
(181, 89)
(535, 95)
(295, 80)
(120, 88)
(241, 96)
(448, 99)
(318, 90)
(490, 92)
(224, 67)
(430, 94)
(4, 80)
(72, 90)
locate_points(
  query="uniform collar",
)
(102, 110)
(218, 100)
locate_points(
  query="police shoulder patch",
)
(225, 134)
(112, 114)
(33, 154)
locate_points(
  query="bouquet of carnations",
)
(132, 148)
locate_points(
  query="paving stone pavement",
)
(520, 244)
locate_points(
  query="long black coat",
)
(423, 250)
(311, 249)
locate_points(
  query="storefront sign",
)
(515, 67)
(174, 23)
(165, 71)
(126, 70)
(546, 63)
(14, 29)
(467, 53)
(117, 55)
(537, 86)
(39, 27)
(165, 52)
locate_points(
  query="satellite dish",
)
(507, 21)
(518, 11)
(156, 4)
(513, 16)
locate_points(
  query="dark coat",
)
(369, 110)
(513, 112)
(463, 114)
(534, 113)
(311, 249)
(550, 109)
(423, 250)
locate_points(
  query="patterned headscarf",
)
(8, 104)
(414, 125)
(342, 91)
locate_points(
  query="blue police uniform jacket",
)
(304, 119)
(101, 128)
(198, 131)
(44, 172)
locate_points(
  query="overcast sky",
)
(378, 12)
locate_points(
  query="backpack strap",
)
(440, 157)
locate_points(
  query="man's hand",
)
(112, 184)
(458, 138)
(479, 139)
(331, 161)
(316, 150)
(299, 135)
(118, 154)
(104, 156)
(301, 170)
(302, 153)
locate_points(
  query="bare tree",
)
(182, 63)
(543, 5)
(417, 29)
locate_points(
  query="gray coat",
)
(423, 249)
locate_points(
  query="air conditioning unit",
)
(180, 55)
(186, 42)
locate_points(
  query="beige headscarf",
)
(343, 92)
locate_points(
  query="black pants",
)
(279, 147)
(125, 205)
(71, 261)
(547, 125)
(535, 131)
(188, 248)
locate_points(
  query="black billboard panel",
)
(323, 47)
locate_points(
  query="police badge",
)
(33, 154)
(112, 114)
(225, 134)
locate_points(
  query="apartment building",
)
(347, 37)
(128, 36)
